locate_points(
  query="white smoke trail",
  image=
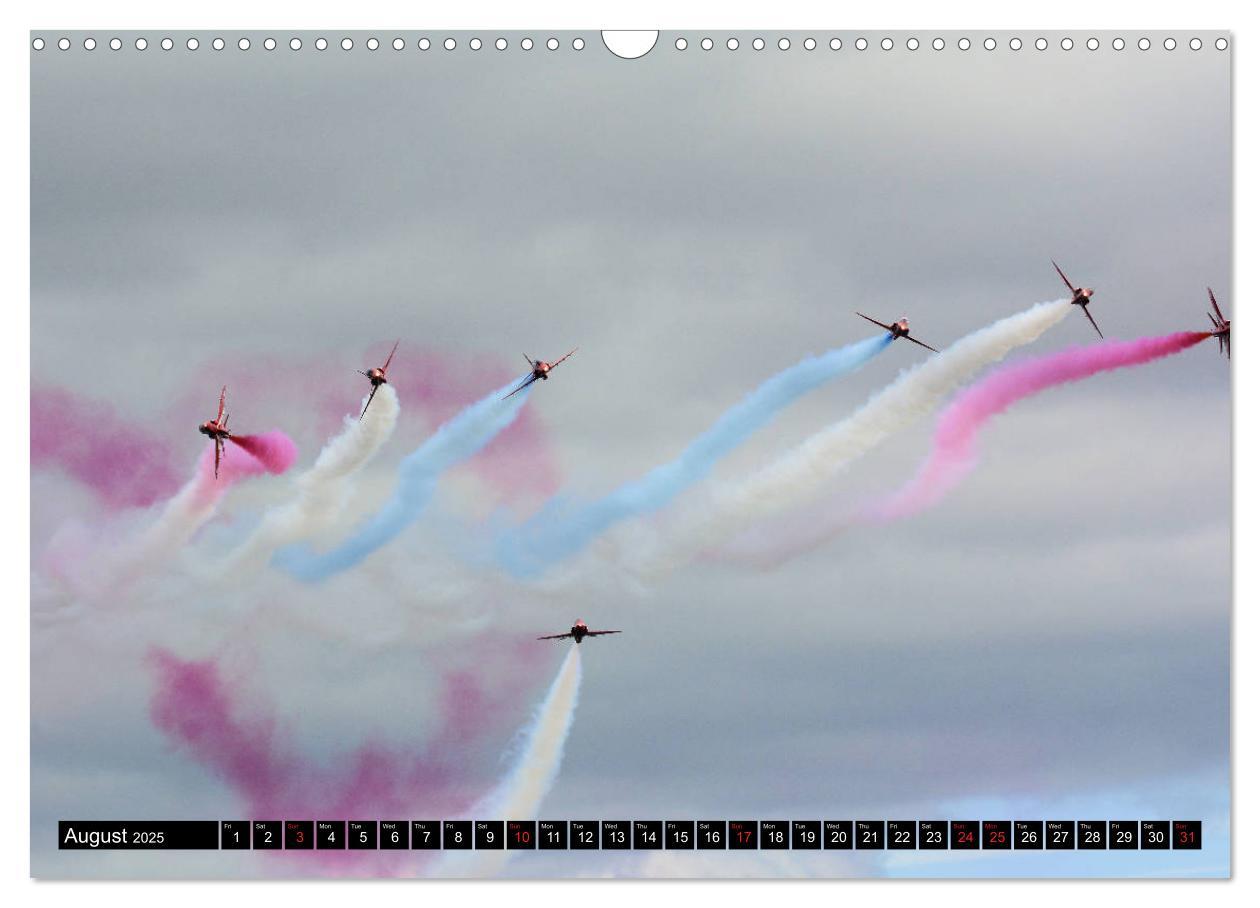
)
(95, 563)
(732, 508)
(521, 792)
(322, 491)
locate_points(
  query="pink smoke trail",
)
(953, 454)
(198, 707)
(92, 561)
(122, 464)
(270, 452)
(274, 450)
(953, 448)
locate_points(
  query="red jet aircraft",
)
(1080, 296)
(540, 370)
(577, 632)
(377, 378)
(1220, 324)
(899, 328)
(217, 429)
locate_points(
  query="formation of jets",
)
(1080, 297)
(217, 430)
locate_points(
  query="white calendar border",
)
(567, 14)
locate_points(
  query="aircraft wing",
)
(218, 455)
(1217, 317)
(921, 344)
(881, 324)
(222, 404)
(389, 359)
(563, 358)
(600, 633)
(375, 388)
(1085, 309)
(556, 637)
(1064, 276)
(523, 385)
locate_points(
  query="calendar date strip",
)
(637, 835)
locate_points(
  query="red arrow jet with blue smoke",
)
(540, 368)
(1220, 325)
(217, 429)
(899, 328)
(377, 378)
(577, 632)
(1080, 296)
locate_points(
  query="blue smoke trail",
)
(552, 535)
(455, 441)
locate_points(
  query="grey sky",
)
(695, 221)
